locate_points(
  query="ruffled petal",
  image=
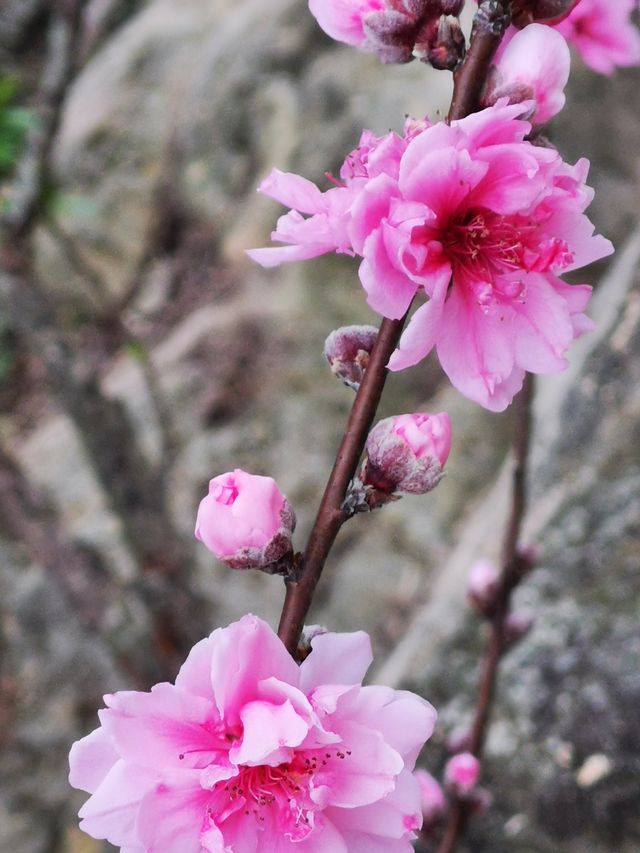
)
(336, 659)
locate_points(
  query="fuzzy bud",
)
(407, 453)
(482, 586)
(432, 799)
(446, 47)
(461, 775)
(347, 350)
(524, 12)
(517, 625)
(246, 521)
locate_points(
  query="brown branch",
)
(513, 569)
(330, 516)
(489, 26)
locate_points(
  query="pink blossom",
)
(343, 19)
(407, 453)
(471, 216)
(245, 520)
(534, 65)
(461, 774)
(603, 33)
(432, 797)
(248, 752)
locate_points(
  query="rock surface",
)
(194, 101)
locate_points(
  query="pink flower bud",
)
(347, 350)
(482, 586)
(461, 774)
(407, 453)
(517, 625)
(432, 798)
(246, 521)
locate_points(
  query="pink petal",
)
(543, 327)
(173, 819)
(342, 19)
(477, 351)
(111, 811)
(273, 256)
(386, 818)
(405, 720)
(268, 729)
(293, 191)
(441, 180)
(389, 291)
(244, 654)
(370, 206)
(91, 759)
(336, 659)
(537, 56)
(164, 728)
(420, 335)
(195, 673)
(364, 776)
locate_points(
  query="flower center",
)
(486, 248)
(487, 243)
(279, 797)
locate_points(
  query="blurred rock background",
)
(201, 362)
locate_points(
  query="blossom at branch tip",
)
(407, 453)
(603, 33)
(534, 66)
(473, 218)
(250, 752)
(246, 521)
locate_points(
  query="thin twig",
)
(330, 516)
(513, 569)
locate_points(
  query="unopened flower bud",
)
(407, 453)
(461, 775)
(432, 799)
(390, 34)
(517, 625)
(482, 586)
(246, 521)
(446, 47)
(347, 350)
(524, 12)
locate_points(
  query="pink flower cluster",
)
(471, 216)
(250, 752)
